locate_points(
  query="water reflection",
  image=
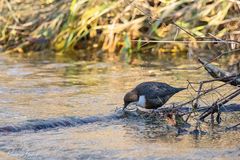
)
(45, 89)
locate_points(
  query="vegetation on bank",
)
(121, 28)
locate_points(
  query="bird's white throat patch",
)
(142, 101)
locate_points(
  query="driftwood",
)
(224, 76)
(216, 105)
(220, 75)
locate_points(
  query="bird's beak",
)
(125, 106)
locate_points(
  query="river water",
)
(65, 110)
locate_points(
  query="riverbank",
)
(124, 29)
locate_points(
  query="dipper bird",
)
(150, 95)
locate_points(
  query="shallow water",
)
(80, 99)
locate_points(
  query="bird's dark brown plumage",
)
(156, 94)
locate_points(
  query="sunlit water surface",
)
(45, 89)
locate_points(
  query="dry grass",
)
(110, 26)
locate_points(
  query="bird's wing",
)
(154, 90)
(157, 102)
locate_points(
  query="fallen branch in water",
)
(219, 56)
(216, 105)
(221, 75)
(232, 127)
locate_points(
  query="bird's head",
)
(129, 98)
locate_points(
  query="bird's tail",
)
(180, 89)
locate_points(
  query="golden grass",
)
(111, 25)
